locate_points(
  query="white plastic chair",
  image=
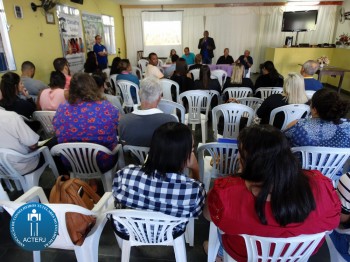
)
(27, 181)
(238, 92)
(113, 81)
(253, 102)
(221, 75)
(160, 63)
(267, 91)
(170, 107)
(266, 249)
(45, 118)
(149, 228)
(137, 72)
(82, 158)
(233, 114)
(125, 88)
(195, 73)
(142, 64)
(310, 93)
(194, 116)
(139, 152)
(88, 251)
(291, 112)
(328, 160)
(333, 252)
(216, 160)
(107, 72)
(166, 86)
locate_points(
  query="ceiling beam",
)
(223, 5)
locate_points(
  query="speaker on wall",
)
(78, 1)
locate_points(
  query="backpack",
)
(77, 192)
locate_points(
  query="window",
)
(7, 61)
(109, 37)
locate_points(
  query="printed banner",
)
(92, 26)
(71, 37)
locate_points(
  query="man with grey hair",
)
(137, 128)
(308, 69)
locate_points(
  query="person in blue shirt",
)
(124, 67)
(188, 56)
(308, 69)
(101, 53)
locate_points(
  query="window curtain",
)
(192, 28)
(133, 33)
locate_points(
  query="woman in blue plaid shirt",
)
(160, 184)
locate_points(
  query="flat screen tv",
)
(299, 21)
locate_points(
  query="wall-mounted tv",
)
(299, 21)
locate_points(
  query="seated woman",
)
(90, 65)
(182, 77)
(205, 82)
(293, 93)
(87, 117)
(125, 73)
(271, 196)
(170, 152)
(327, 127)
(16, 98)
(197, 62)
(49, 99)
(237, 79)
(115, 66)
(270, 77)
(168, 60)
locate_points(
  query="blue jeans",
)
(341, 243)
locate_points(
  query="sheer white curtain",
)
(192, 28)
(133, 33)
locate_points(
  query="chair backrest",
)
(195, 102)
(310, 93)
(238, 92)
(291, 112)
(267, 91)
(166, 86)
(212, 93)
(82, 158)
(221, 76)
(160, 63)
(328, 160)
(170, 107)
(253, 102)
(139, 152)
(223, 158)
(107, 71)
(45, 118)
(195, 73)
(233, 114)
(142, 64)
(125, 88)
(147, 227)
(113, 81)
(137, 72)
(265, 249)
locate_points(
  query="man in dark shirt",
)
(245, 60)
(226, 58)
(207, 46)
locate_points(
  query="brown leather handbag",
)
(77, 192)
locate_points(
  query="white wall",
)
(345, 27)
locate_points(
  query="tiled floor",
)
(109, 250)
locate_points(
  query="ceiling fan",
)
(46, 5)
(343, 15)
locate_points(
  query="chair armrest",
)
(31, 193)
(105, 203)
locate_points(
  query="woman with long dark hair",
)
(270, 76)
(272, 196)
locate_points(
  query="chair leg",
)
(189, 233)
(214, 243)
(126, 248)
(180, 249)
(203, 133)
(193, 127)
(36, 256)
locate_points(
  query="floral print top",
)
(93, 122)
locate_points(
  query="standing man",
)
(188, 56)
(207, 46)
(152, 67)
(101, 53)
(245, 60)
(308, 69)
(32, 85)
